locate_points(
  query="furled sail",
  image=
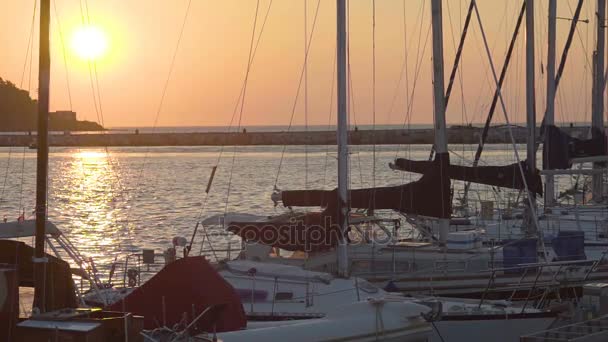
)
(508, 176)
(428, 196)
(559, 148)
(319, 231)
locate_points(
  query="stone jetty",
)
(456, 135)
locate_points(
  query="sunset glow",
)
(133, 44)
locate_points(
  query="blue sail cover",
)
(569, 246)
(518, 252)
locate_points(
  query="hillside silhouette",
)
(18, 112)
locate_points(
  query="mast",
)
(597, 110)
(441, 145)
(342, 137)
(44, 72)
(503, 75)
(530, 103)
(550, 114)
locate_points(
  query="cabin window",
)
(249, 295)
(283, 296)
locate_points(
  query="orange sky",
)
(211, 62)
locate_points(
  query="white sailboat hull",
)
(362, 321)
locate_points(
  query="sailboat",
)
(581, 229)
(444, 261)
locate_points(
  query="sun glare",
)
(89, 43)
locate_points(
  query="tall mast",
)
(44, 71)
(342, 137)
(597, 103)
(550, 114)
(441, 145)
(530, 102)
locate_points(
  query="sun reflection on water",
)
(87, 194)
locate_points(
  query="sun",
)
(89, 43)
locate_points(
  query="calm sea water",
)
(115, 201)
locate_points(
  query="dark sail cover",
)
(559, 148)
(508, 176)
(310, 232)
(428, 196)
(320, 231)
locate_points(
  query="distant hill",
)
(18, 112)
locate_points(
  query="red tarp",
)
(184, 284)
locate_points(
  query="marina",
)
(465, 233)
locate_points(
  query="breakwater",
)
(456, 135)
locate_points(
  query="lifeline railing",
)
(548, 285)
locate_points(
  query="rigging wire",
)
(162, 99)
(222, 148)
(351, 98)
(27, 53)
(420, 53)
(373, 98)
(65, 59)
(330, 112)
(242, 105)
(298, 91)
(30, 43)
(28, 60)
(506, 116)
(580, 37)
(65, 62)
(21, 208)
(460, 65)
(407, 78)
(6, 173)
(464, 117)
(306, 94)
(86, 21)
(417, 68)
(97, 101)
(351, 106)
(408, 149)
(588, 68)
